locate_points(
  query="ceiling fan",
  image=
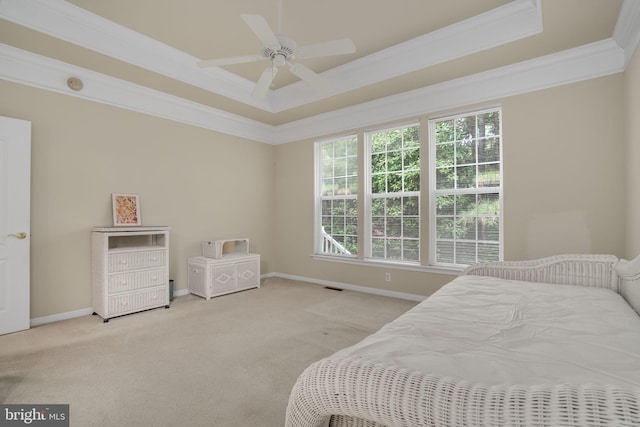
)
(281, 50)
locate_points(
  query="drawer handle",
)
(124, 282)
(154, 258)
(124, 261)
(196, 271)
(154, 278)
(124, 302)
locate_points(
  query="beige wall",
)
(564, 183)
(632, 138)
(201, 183)
(563, 170)
(294, 228)
(563, 153)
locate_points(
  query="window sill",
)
(389, 264)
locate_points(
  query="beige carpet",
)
(229, 361)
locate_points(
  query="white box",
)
(213, 277)
(221, 248)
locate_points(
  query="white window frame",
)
(319, 239)
(368, 196)
(433, 192)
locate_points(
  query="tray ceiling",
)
(403, 47)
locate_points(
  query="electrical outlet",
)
(387, 277)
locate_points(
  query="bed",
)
(550, 342)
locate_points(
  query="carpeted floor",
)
(229, 361)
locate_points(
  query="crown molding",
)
(594, 60)
(63, 20)
(513, 21)
(590, 61)
(27, 68)
(582, 63)
(627, 30)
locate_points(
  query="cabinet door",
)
(223, 278)
(247, 274)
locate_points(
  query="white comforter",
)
(504, 332)
(485, 352)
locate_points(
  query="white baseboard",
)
(37, 321)
(356, 288)
(180, 292)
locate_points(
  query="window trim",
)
(368, 195)
(393, 264)
(317, 227)
(432, 244)
(427, 197)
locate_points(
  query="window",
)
(337, 163)
(464, 166)
(466, 189)
(393, 206)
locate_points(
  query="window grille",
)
(393, 207)
(466, 188)
(337, 161)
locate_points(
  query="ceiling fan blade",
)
(333, 47)
(264, 82)
(262, 30)
(310, 77)
(229, 61)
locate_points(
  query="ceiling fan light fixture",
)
(279, 60)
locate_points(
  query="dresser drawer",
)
(122, 282)
(126, 261)
(135, 301)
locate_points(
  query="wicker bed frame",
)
(356, 392)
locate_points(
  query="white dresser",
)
(210, 277)
(130, 269)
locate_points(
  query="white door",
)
(15, 188)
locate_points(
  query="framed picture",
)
(126, 209)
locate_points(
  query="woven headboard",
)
(584, 270)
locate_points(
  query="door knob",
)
(22, 235)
